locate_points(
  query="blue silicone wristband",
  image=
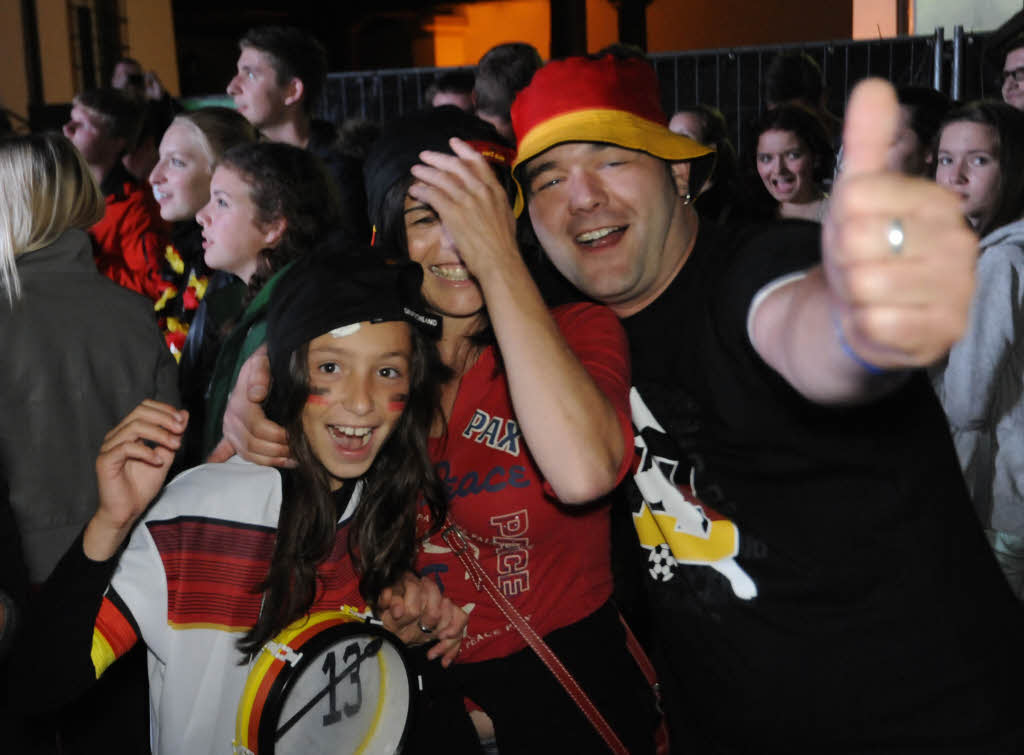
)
(848, 350)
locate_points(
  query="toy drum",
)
(329, 683)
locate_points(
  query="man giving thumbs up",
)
(815, 579)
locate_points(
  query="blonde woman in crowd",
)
(79, 353)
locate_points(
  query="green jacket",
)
(249, 332)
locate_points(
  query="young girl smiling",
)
(233, 553)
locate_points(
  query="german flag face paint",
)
(359, 385)
(317, 396)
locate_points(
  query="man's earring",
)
(687, 198)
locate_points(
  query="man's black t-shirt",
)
(827, 587)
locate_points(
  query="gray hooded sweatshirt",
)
(981, 386)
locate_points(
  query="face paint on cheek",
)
(317, 396)
(397, 402)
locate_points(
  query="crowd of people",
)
(559, 392)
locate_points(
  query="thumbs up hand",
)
(897, 255)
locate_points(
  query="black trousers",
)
(533, 714)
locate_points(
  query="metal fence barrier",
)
(730, 79)
(377, 95)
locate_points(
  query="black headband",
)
(332, 288)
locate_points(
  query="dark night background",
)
(358, 36)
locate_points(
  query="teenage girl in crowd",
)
(269, 203)
(980, 156)
(535, 429)
(233, 553)
(792, 158)
(189, 150)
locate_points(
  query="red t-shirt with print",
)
(552, 561)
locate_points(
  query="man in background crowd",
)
(501, 73)
(128, 241)
(452, 88)
(282, 71)
(1013, 73)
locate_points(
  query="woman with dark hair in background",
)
(980, 156)
(793, 158)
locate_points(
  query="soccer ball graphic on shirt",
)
(662, 564)
(671, 521)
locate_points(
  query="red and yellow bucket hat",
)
(611, 100)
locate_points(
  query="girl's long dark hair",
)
(382, 535)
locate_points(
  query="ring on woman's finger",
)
(425, 630)
(895, 236)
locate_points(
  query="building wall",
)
(55, 50)
(874, 19)
(149, 34)
(462, 36)
(13, 80)
(602, 25)
(708, 24)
